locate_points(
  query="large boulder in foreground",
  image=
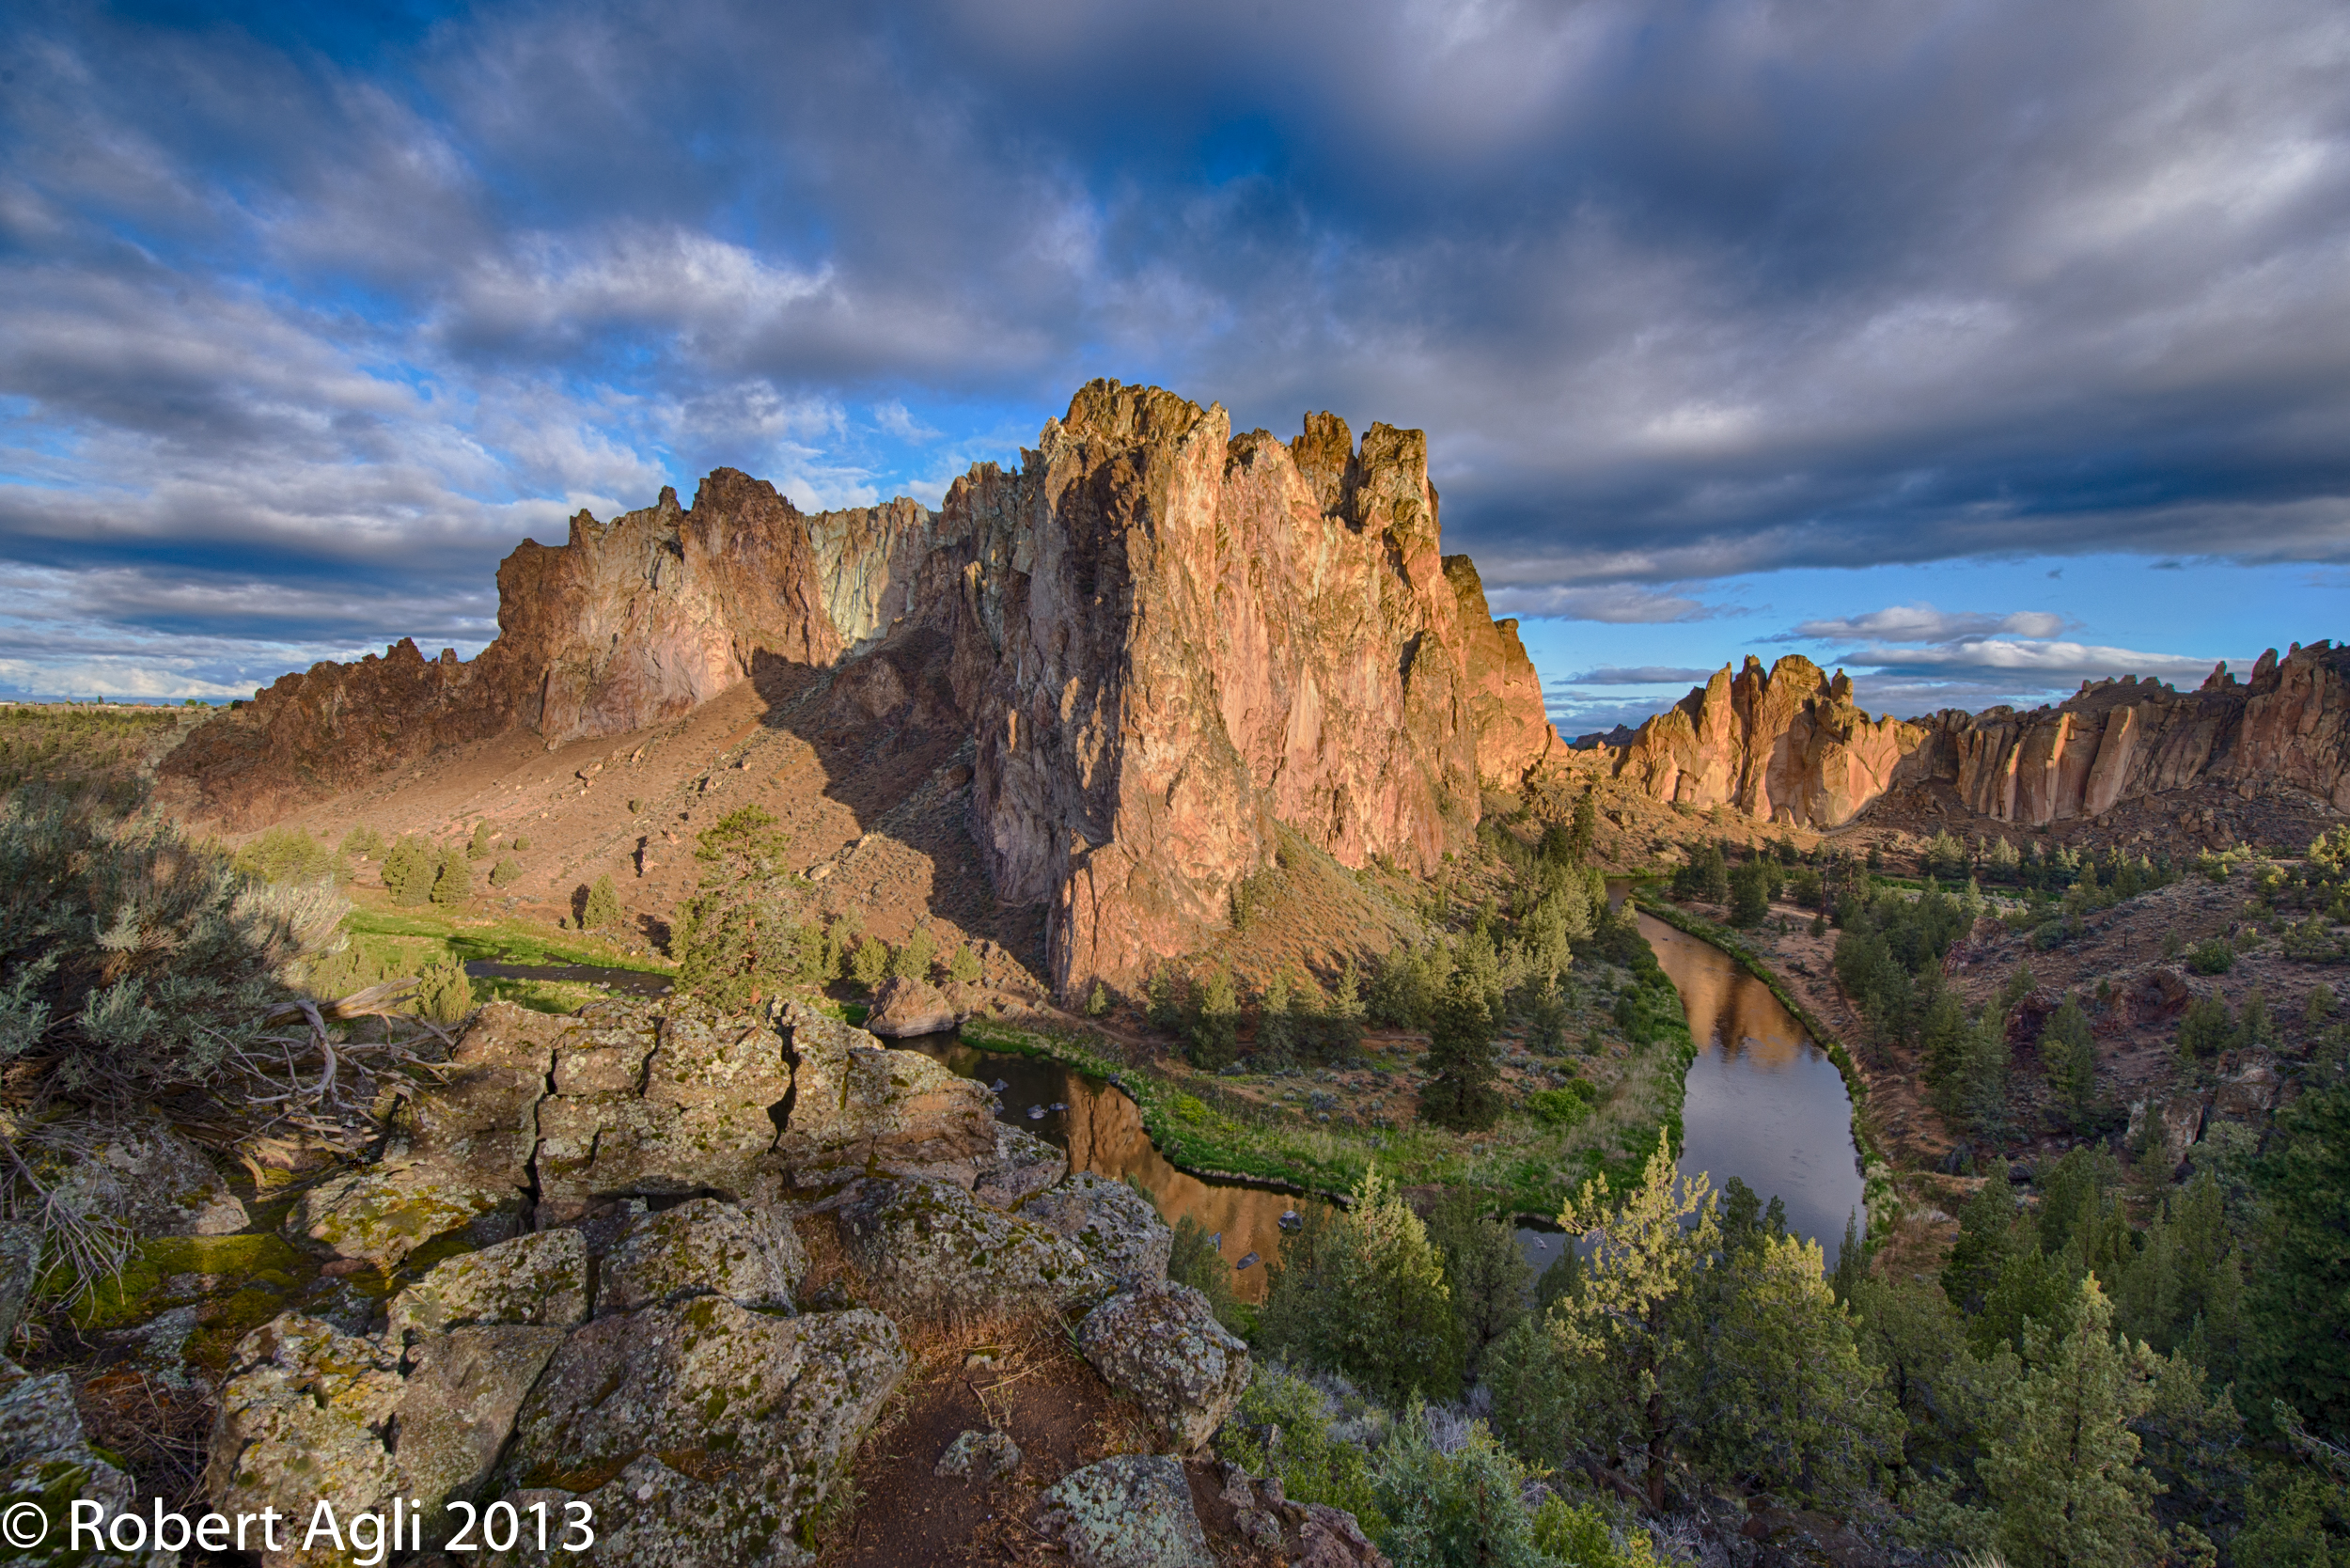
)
(702, 1435)
(701, 1248)
(1133, 1510)
(928, 1250)
(857, 1106)
(1164, 1349)
(1119, 1228)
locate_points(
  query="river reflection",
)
(1101, 1130)
(1763, 1102)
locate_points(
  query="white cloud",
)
(2062, 660)
(1922, 622)
(1616, 604)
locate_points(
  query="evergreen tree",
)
(1215, 1032)
(2071, 1057)
(452, 882)
(2206, 1028)
(2299, 1305)
(409, 869)
(963, 966)
(1487, 1274)
(1276, 1029)
(741, 940)
(1463, 1092)
(1586, 827)
(477, 847)
(2065, 1475)
(1942, 1037)
(602, 911)
(1987, 1237)
(1196, 1261)
(1714, 876)
(507, 872)
(444, 992)
(1629, 1334)
(869, 963)
(1749, 894)
(913, 958)
(1362, 1293)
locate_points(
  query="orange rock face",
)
(1163, 640)
(2121, 740)
(1789, 746)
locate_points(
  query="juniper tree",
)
(1463, 1092)
(2070, 1055)
(452, 882)
(602, 911)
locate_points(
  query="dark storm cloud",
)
(1679, 290)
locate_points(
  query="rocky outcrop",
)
(46, 1462)
(904, 1007)
(1789, 746)
(1117, 1227)
(856, 1106)
(926, 1250)
(1132, 1511)
(1163, 1347)
(1162, 637)
(2124, 739)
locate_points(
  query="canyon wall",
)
(1163, 640)
(1791, 745)
(2120, 739)
(1787, 746)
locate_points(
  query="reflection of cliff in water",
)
(1101, 1130)
(1761, 1102)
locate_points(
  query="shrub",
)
(869, 962)
(602, 911)
(2206, 1030)
(1579, 1536)
(477, 847)
(1097, 1000)
(1314, 1465)
(2213, 956)
(1196, 1261)
(963, 965)
(913, 958)
(506, 873)
(444, 992)
(284, 855)
(1559, 1107)
(364, 843)
(452, 882)
(522, 845)
(409, 870)
(1455, 1509)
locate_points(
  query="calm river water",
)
(1763, 1104)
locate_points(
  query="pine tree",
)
(1215, 1033)
(1749, 894)
(453, 884)
(408, 871)
(1362, 1292)
(2071, 1057)
(1714, 876)
(1487, 1274)
(602, 911)
(2299, 1304)
(1463, 1092)
(1276, 1029)
(1987, 1237)
(1586, 827)
(444, 992)
(506, 873)
(477, 847)
(2065, 1474)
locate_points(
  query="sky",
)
(1977, 347)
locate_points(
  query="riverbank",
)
(1241, 1128)
(1881, 1192)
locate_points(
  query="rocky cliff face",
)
(1162, 639)
(1789, 746)
(2119, 740)
(1792, 746)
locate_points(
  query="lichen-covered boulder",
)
(703, 1247)
(1024, 1165)
(662, 1105)
(46, 1460)
(537, 1279)
(858, 1107)
(1332, 1538)
(1133, 1510)
(308, 1412)
(904, 1006)
(1119, 1228)
(20, 1268)
(379, 1214)
(704, 1436)
(1164, 1349)
(928, 1249)
(154, 1180)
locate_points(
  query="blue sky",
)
(1981, 347)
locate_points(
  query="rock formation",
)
(2120, 739)
(1162, 637)
(1789, 746)
(1792, 746)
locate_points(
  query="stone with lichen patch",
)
(537, 1279)
(1119, 1228)
(927, 1249)
(703, 1247)
(857, 1106)
(1024, 1165)
(1165, 1348)
(1133, 1510)
(382, 1213)
(705, 1433)
(46, 1460)
(980, 1457)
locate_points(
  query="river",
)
(1761, 1104)
(1761, 1101)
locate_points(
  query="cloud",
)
(1616, 604)
(1640, 675)
(348, 306)
(1989, 657)
(1922, 622)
